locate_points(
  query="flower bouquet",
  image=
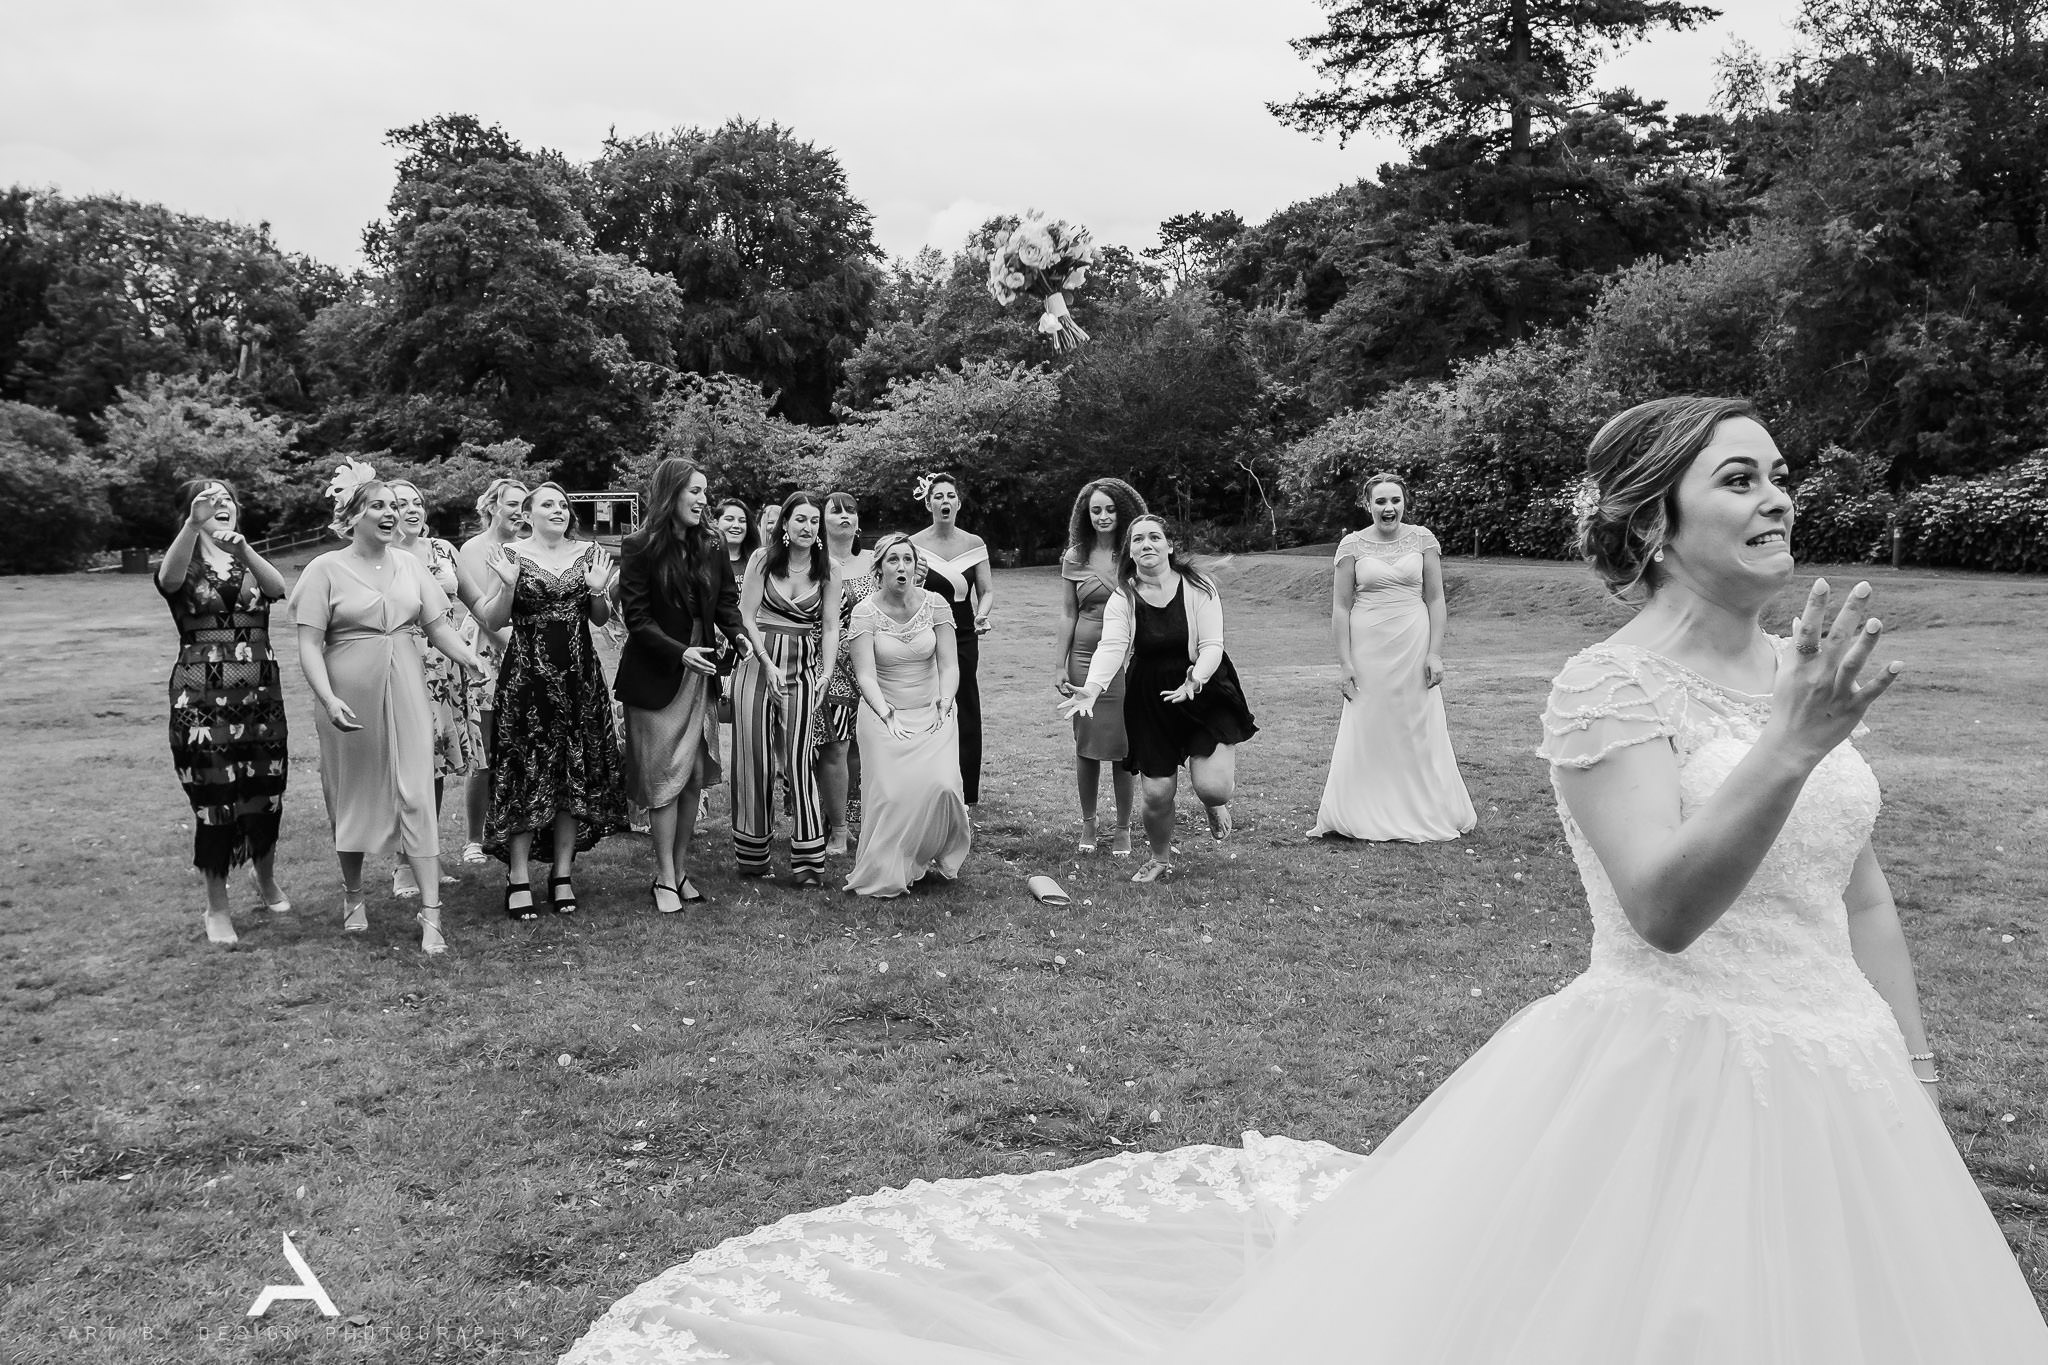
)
(1044, 257)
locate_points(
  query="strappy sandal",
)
(654, 890)
(431, 942)
(520, 912)
(1152, 871)
(690, 894)
(1120, 847)
(355, 915)
(561, 895)
(1088, 837)
(1220, 823)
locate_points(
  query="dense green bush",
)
(1845, 511)
(1490, 455)
(52, 494)
(1996, 520)
(172, 429)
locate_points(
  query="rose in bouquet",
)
(1044, 258)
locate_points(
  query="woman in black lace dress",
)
(556, 786)
(227, 708)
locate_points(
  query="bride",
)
(1719, 1144)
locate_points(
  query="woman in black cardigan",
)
(678, 593)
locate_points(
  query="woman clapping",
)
(556, 789)
(914, 816)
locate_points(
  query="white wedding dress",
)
(1716, 1157)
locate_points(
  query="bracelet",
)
(1919, 1056)
(1935, 1079)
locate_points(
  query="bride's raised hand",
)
(1818, 701)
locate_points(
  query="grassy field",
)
(478, 1153)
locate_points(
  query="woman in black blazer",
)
(678, 592)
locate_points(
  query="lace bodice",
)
(1777, 966)
(1386, 571)
(906, 652)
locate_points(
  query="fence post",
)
(1898, 542)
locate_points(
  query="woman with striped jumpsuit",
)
(789, 607)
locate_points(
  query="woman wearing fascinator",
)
(361, 612)
(956, 568)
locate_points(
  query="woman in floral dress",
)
(227, 707)
(556, 786)
(456, 704)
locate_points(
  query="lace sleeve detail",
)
(1347, 548)
(862, 621)
(1602, 702)
(1425, 539)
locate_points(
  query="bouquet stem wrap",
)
(1058, 324)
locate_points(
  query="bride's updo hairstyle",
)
(1629, 508)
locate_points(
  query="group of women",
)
(428, 663)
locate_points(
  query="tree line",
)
(1852, 237)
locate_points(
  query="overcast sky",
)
(1116, 113)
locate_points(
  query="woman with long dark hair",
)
(1183, 705)
(677, 591)
(956, 567)
(1103, 510)
(789, 609)
(227, 702)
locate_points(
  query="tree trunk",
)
(1521, 207)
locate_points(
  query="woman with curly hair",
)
(1103, 511)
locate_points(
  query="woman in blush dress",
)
(227, 701)
(914, 816)
(556, 788)
(363, 613)
(677, 589)
(500, 512)
(1393, 775)
(1183, 705)
(956, 568)
(1102, 512)
(1721, 1143)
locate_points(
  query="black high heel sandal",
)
(520, 912)
(562, 895)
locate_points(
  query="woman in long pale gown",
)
(363, 613)
(913, 813)
(1720, 1144)
(1392, 774)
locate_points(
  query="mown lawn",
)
(477, 1154)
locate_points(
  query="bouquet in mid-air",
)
(1045, 258)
